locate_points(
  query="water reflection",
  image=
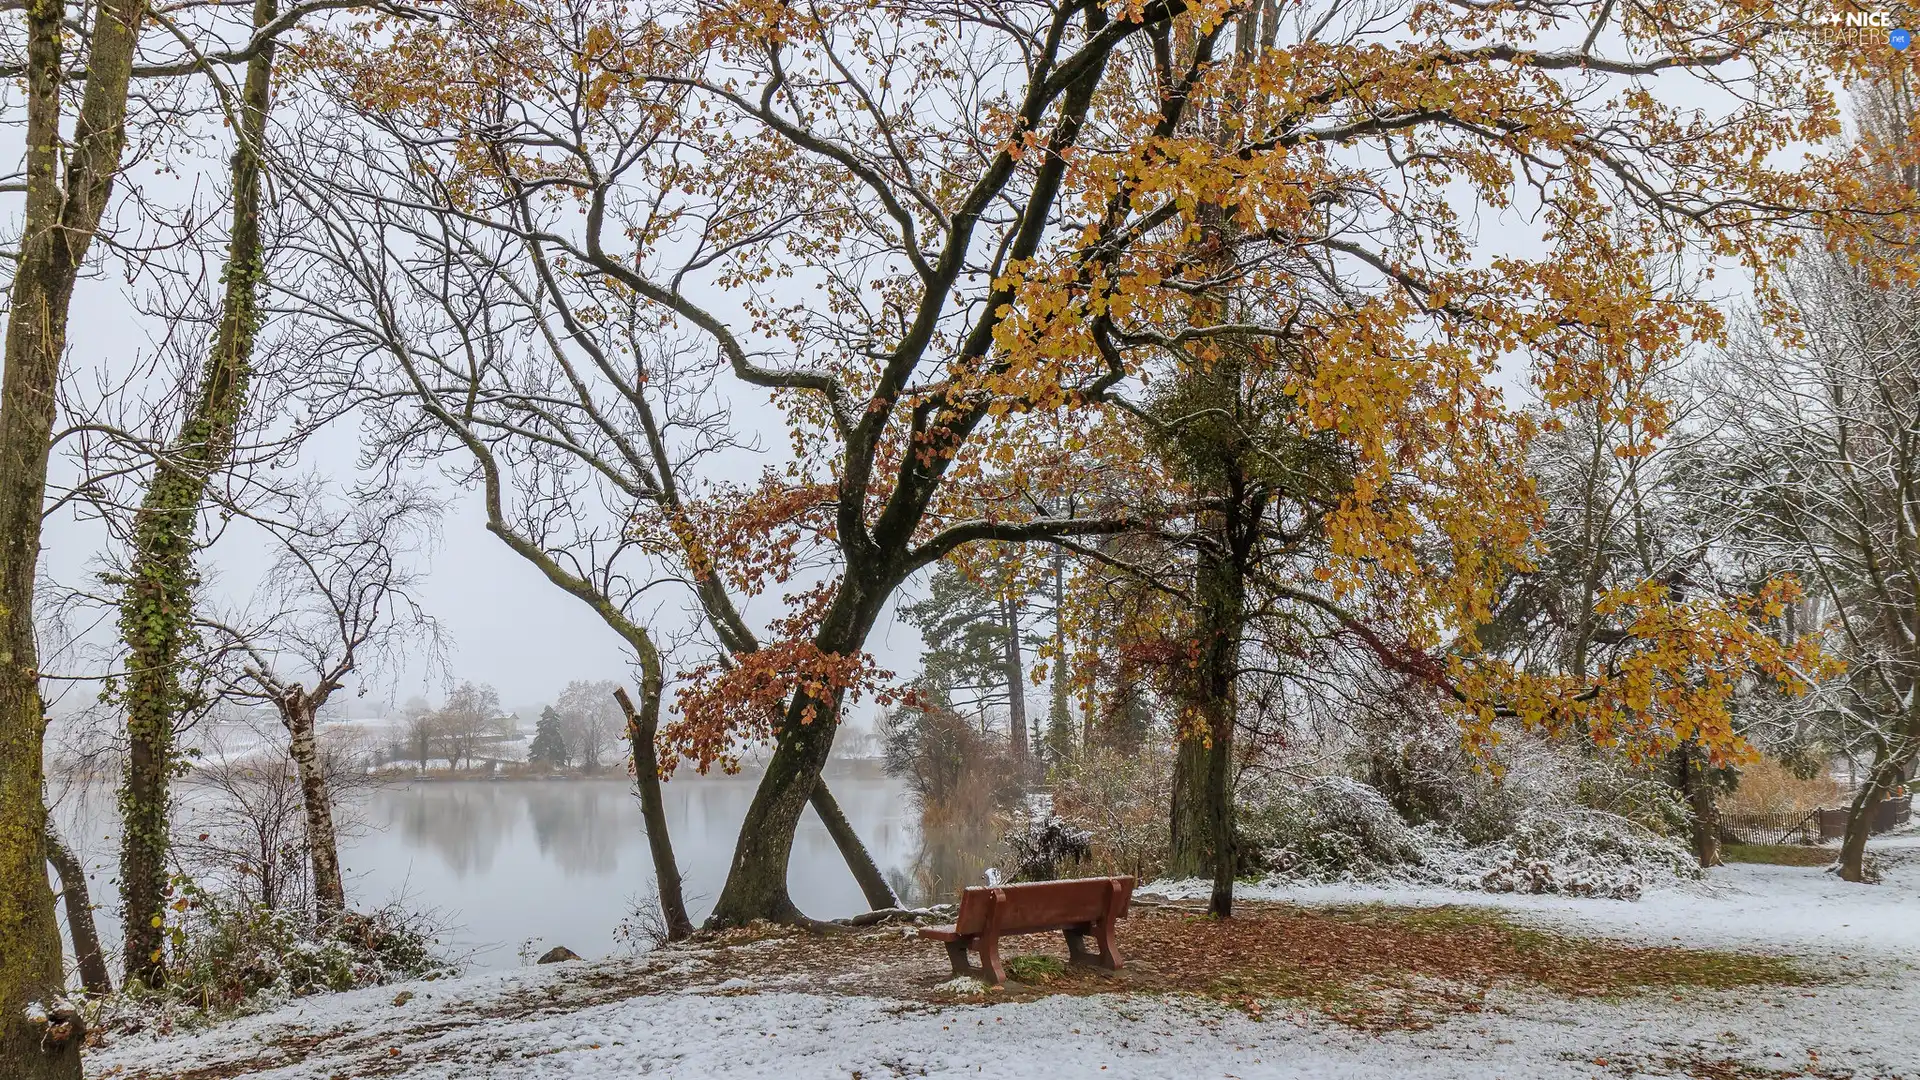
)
(563, 861)
(559, 862)
(954, 852)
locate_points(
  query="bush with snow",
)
(1578, 852)
(1527, 832)
(1330, 828)
(228, 961)
(1046, 845)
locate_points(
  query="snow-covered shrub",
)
(1579, 853)
(1121, 800)
(1329, 828)
(1335, 828)
(229, 961)
(1415, 760)
(1047, 846)
(1606, 783)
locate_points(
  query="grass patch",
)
(1036, 970)
(1778, 854)
(1384, 968)
(1583, 967)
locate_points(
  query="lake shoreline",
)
(854, 768)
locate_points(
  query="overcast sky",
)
(505, 624)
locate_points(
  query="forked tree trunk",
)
(756, 885)
(1853, 846)
(80, 924)
(642, 725)
(156, 621)
(61, 215)
(300, 712)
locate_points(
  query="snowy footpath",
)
(573, 1020)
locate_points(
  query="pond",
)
(556, 862)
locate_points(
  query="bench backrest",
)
(1043, 905)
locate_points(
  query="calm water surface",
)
(557, 862)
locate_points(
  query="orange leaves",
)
(722, 708)
(1672, 681)
(752, 537)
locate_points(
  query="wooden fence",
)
(1811, 826)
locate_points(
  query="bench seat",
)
(1080, 908)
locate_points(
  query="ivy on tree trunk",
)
(62, 214)
(156, 607)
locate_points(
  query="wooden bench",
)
(1078, 908)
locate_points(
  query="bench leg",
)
(996, 974)
(957, 953)
(1077, 952)
(1104, 957)
(1103, 936)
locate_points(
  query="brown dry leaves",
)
(1372, 968)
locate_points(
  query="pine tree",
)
(974, 653)
(549, 747)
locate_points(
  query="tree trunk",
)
(1190, 848)
(300, 713)
(1059, 737)
(1014, 671)
(1697, 786)
(1853, 847)
(1221, 585)
(756, 885)
(1220, 823)
(642, 726)
(57, 229)
(156, 605)
(80, 925)
(873, 883)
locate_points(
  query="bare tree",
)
(593, 720)
(1821, 452)
(472, 712)
(245, 831)
(642, 728)
(571, 427)
(422, 727)
(343, 602)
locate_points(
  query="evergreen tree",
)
(549, 747)
(975, 654)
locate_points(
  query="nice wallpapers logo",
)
(1882, 23)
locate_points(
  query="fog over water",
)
(560, 862)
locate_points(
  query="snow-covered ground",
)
(1788, 909)
(563, 1021)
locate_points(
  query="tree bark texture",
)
(156, 605)
(1190, 847)
(80, 925)
(1222, 592)
(61, 216)
(642, 725)
(300, 712)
